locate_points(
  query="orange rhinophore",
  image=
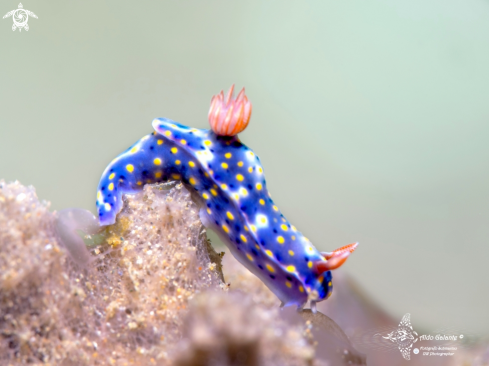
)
(229, 116)
(335, 258)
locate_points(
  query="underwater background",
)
(371, 119)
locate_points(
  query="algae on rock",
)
(143, 296)
(126, 306)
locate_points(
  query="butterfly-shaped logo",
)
(404, 336)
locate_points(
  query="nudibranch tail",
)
(228, 116)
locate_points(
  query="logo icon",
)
(404, 336)
(20, 17)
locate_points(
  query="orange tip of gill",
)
(228, 116)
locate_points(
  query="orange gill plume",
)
(229, 116)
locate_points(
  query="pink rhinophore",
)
(229, 116)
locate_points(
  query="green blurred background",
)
(371, 119)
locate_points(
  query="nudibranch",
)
(237, 205)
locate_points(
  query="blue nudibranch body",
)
(230, 179)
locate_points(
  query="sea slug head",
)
(228, 116)
(333, 260)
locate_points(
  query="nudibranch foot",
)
(69, 224)
(314, 308)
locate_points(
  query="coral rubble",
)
(149, 289)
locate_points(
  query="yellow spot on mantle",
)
(224, 186)
(160, 142)
(288, 284)
(243, 238)
(262, 201)
(291, 252)
(112, 176)
(253, 228)
(209, 211)
(230, 215)
(213, 191)
(301, 289)
(329, 284)
(174, 150)
(249, 257)
(192, 181)
(107, 207)
(225, 165)
(191, 164)
(140, 183)
(240, 163)
(250, 169)
(228, 155)
(239, 177)
(225, 228)
(259, 186)
(130, 168)
(158, 174)
(134, 149)
(205, 195)
(269, 253)
(275, 208)
(168, 133)
(280, 239)
(207, 143)
(270, 268)
(111, 186)
(157, 161)
(183, 142)
(177, 162)
(284, 227)
(290, 268)
(309, 264)
(260, 170)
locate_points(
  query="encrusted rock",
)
(148, 290)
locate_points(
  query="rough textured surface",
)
(126, 307)
(130, 304)
(246, 333)
(153, 293)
